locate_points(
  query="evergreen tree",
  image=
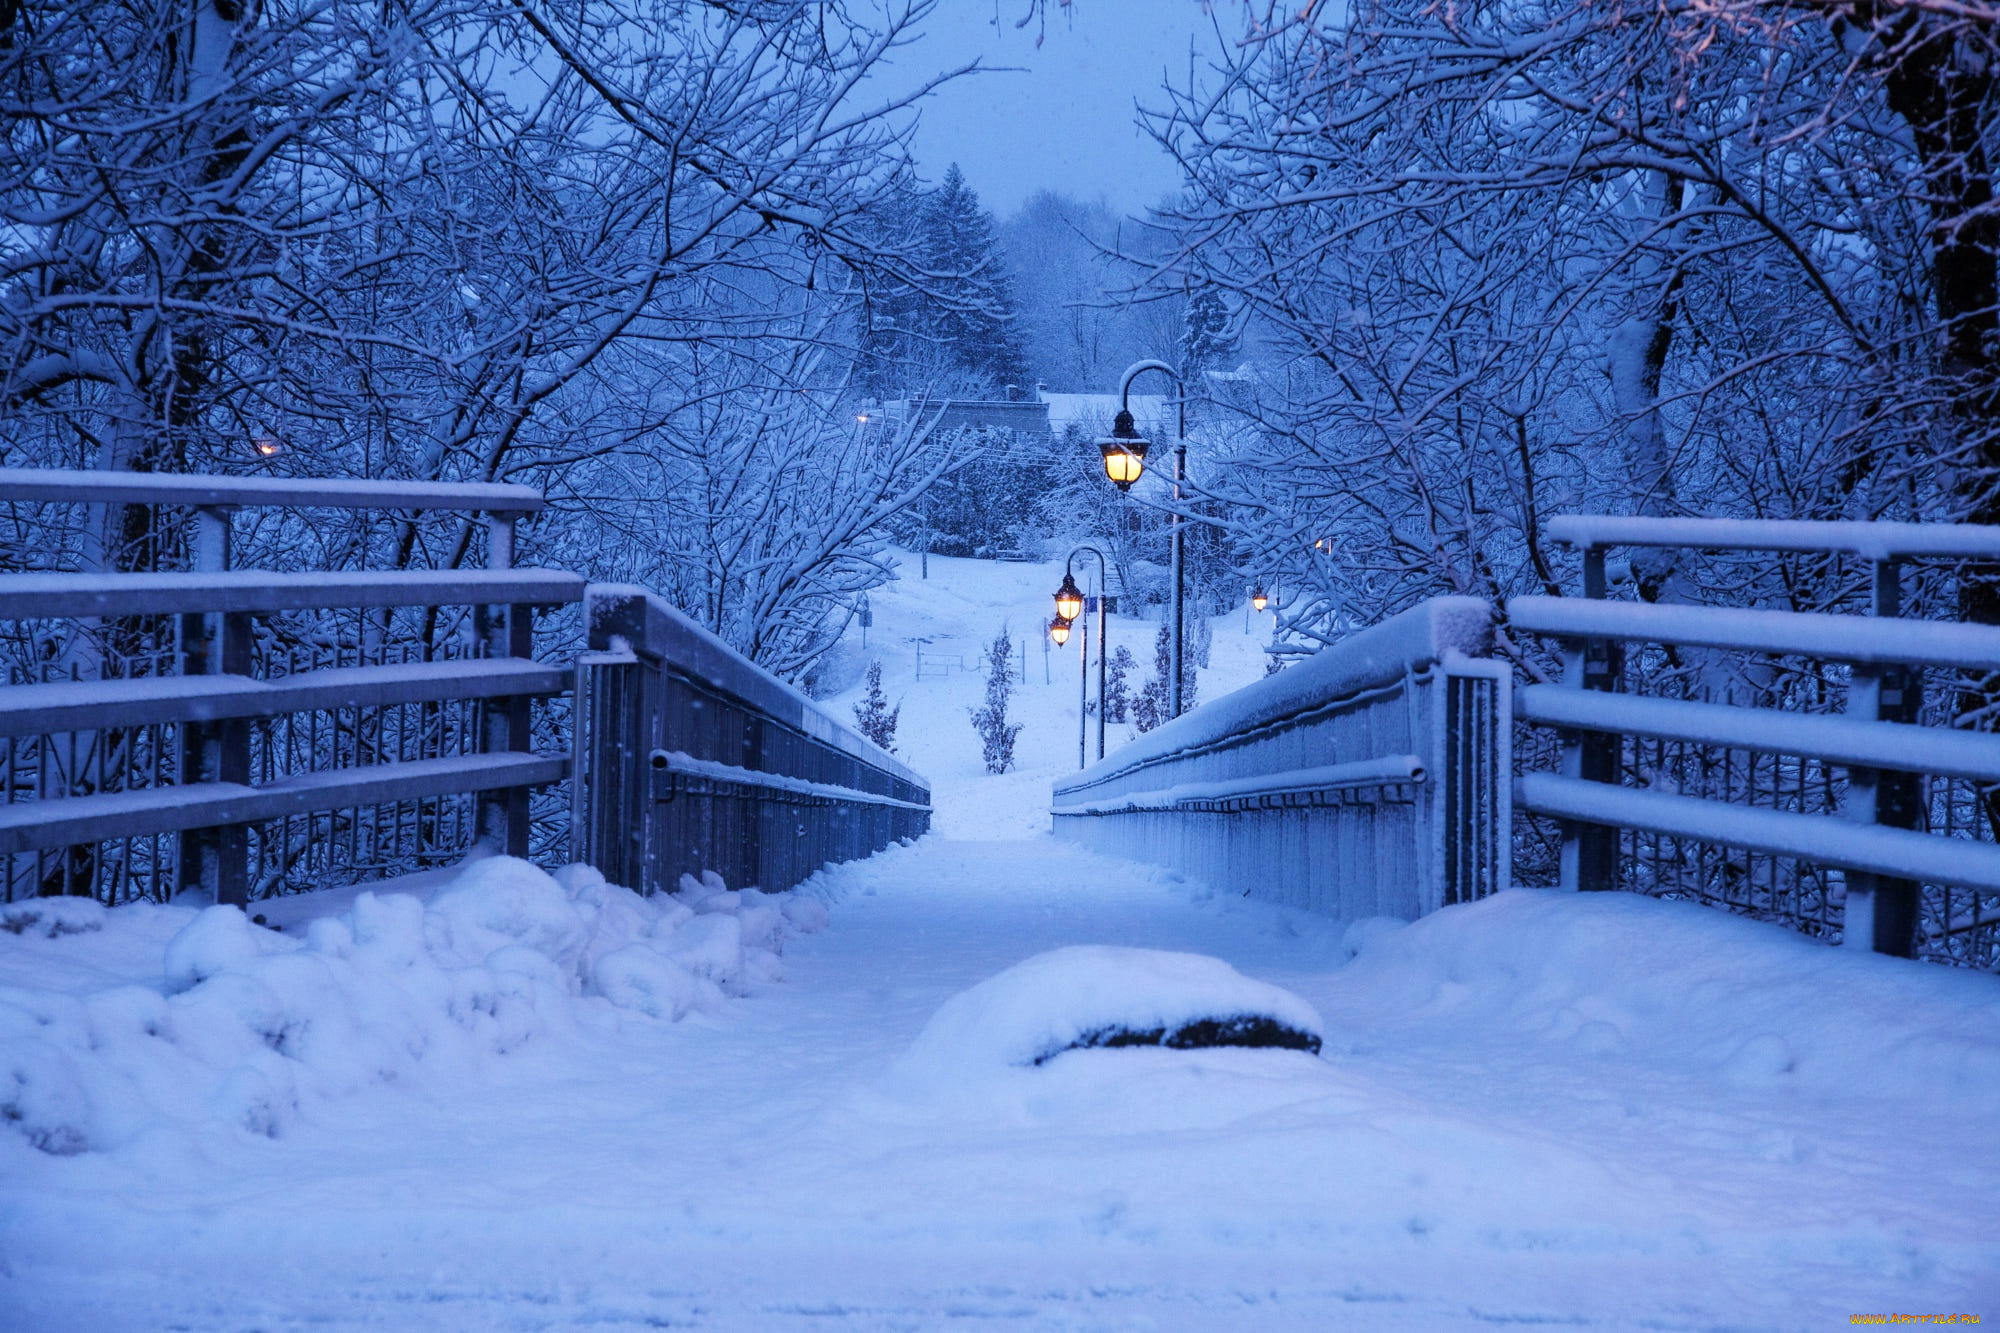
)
(943, 321)
(1118, 686)
(873, 717)
(996, 733)
(1151, 708)
(1205, 339)
(974, 322)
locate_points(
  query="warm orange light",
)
(1059, 631)
(1259, 600)
(267, 445)
(1124, 451)
(1069, 599)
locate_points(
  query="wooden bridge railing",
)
(689, 757)
(1867, 825)
(1370, 779)
(161, 780)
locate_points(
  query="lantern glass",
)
(1123, 467)
(1259, 600)
(1059, 631)
(1069, 599)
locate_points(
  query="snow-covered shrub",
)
(1089, 996)
(1118, 686)
(873, 717)
(996, 733)
(1152, 706)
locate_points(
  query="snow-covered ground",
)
(951, 617)
(501, 1100)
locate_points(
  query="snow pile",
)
(1720, 1001)
(236, 1024)
(1092, 995)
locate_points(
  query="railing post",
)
(504, 631)
(1881, 912)
(215, 861)
(1590, 851)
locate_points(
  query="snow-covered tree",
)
(873, 717)
(996, 733)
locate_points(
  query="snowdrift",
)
(1741, 1007)
(105, 1036)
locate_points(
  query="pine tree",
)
(873, 717)
(1118, 686)
(1204, 334)
(974, 322)
(996, 733)
(1151, 708)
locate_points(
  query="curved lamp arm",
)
(1139, 368)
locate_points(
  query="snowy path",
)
(1603, 1113)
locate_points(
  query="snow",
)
(225, 1024)
(952, 615)
(1869, 540)
(1599, 1110)
(1065, 998)
(495, 1098)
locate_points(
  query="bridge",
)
(246, 732)
(1582, 1106)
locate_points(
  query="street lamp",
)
(1059, 631)
(1259, 600)
(1069, 605)
(1069, 597)
(1125, 452)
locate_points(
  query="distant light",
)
(267, 445)
(861, 417)
(1259, 600)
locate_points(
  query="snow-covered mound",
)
(1100, 995)
(105, 1035)
(1736, 1006)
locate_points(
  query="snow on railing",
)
(690, 757)
(228, 775)
(1369, 779)
(1819, 808)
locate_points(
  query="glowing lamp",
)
(1069, 599)
(1059, 631)
(1124, 452)
(1259, 600)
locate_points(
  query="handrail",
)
(1849, 741)
(1870, 640)
(1872, 541)
(1871, 848)
(54, 485)
(49, 596)
(93, 705)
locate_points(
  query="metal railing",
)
(1873, 824)
(689, 757)
(277, 729)
(1370, 779)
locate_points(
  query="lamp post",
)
(1124, 460)
(1070, 604)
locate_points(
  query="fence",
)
(277, 727)
(691, 758)
(1370, 779)
(1867, 826)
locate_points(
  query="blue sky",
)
(1063, 118)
